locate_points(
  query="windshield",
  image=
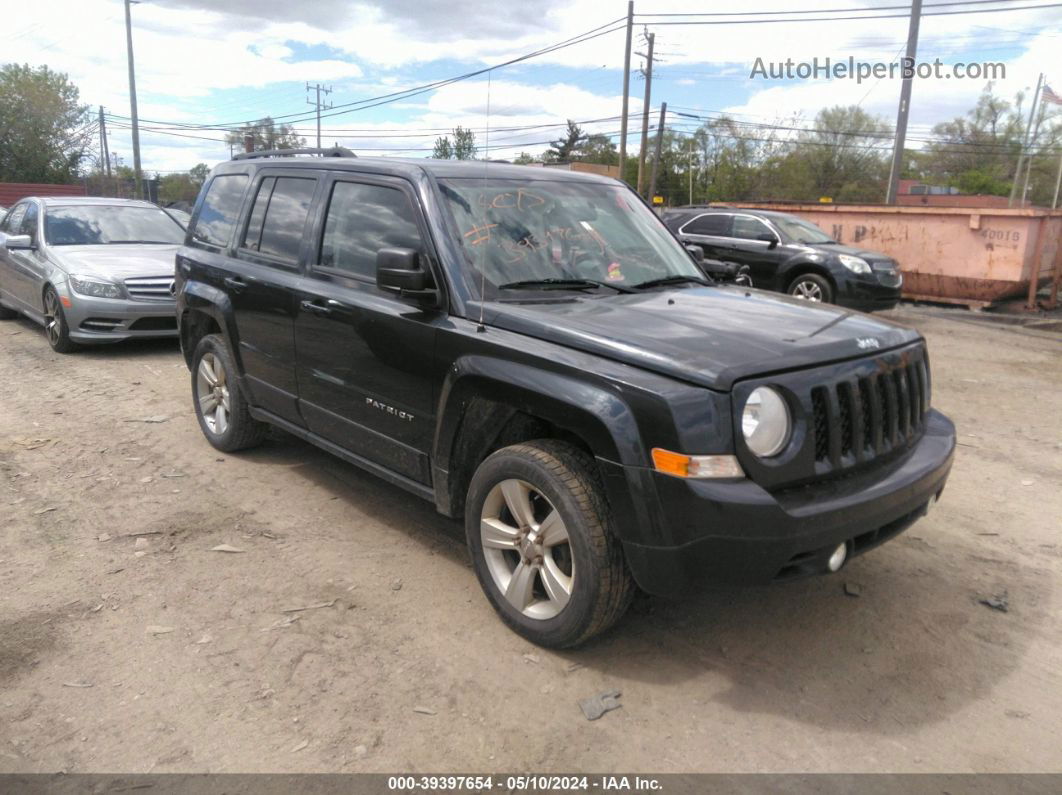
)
(517, 231)
(97, 224)
(801, 231)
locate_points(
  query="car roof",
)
(414, 167)
(67, 201)
(702, 210)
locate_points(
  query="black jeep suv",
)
(535, 352)
(786, 253)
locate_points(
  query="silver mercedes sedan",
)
(89, 270)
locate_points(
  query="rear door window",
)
(748, 228)
(715, 224)
(220, 209)
(278, 217)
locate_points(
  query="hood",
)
(712, 336)
(840, 248)
(118, 261)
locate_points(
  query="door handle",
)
(315, 308)
(234, 283)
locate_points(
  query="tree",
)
(463, 146)
(266, 135)
(45, 133)
(523, 159)
(976, 152)
(562, 150)
(199, 173)
(598, 149)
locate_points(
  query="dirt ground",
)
(127, 653)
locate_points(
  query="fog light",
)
(838, 557)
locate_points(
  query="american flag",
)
(1050, 96)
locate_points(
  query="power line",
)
(383, 99)
(849, 9)
(842, 19)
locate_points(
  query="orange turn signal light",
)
(681, 465)
(66, 302)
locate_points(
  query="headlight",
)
(854, 264)
(96, 288)
(765, 422)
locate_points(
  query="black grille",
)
(822, 424)
(164, 323)
(863, 417)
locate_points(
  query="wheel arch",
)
(205, 310)
(487, 404)
(792, 272)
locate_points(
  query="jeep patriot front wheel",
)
(538, 530)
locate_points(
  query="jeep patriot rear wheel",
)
(220, 406)
(537, 526)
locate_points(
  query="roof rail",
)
(332, 151)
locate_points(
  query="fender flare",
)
(594, 413)
(199, 297)
(801, 265)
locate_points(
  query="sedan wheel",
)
(55, 328)
(526, 547)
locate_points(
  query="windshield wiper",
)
(138, 242)
(561, 284)
(673, 280)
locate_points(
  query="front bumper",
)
(103, 320)
(867, 294)
(735, 532)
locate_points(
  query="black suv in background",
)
(534, 352)
(787, 254)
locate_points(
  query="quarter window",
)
(221, 206)
(717, 224)
(361, 220)
(279, 216)
(748, 228)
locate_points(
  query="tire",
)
(223, 412)
(56, 330)
(586, 569)
(812, 287)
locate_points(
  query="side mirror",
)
(696, 252)
(769, 239)
(398, 269)
(20, 243)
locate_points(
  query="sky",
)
(219, 63)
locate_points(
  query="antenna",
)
(480, 329)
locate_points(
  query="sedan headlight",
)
(765, 422)
(854, 264)
(95, 288)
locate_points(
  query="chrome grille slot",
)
(150, 288)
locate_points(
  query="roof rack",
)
(332, 151)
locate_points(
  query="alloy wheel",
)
(807, 291)
(212, 391)
(527, 549)
(52, 318)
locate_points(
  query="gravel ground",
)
(127, 644)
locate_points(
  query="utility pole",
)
(132, 97)
(691, 171)
(1029, 159)
(1025, 142)
(659, 147)
(317, 104)
(1058, 182)
(105, 152)
(626, 88)
(905, 103)
(645, 113)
